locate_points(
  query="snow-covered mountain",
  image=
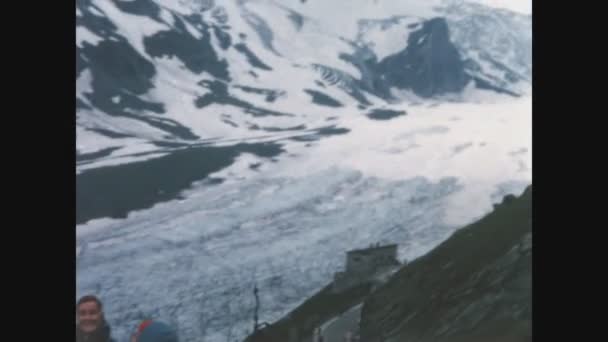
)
(222, 143)
(146, 70)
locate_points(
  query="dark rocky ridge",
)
(429, 65)
(476, 286)
(251, 57)
(385, 114)
(219, 94)
(197, 55)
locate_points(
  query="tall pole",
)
(257, 308)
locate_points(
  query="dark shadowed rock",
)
(270, 94)
(116, 64)
(484, 84)
(223, 37)
(323, 99)
(81, 105)
(296, 19)
(261, 27)
(197, 54)
(430, 64)
(318, 134)
(108, 133)
(333, 130)
(385, 114)
(251, 57)
(100, 25)
(95, 155)
(146, 8)
(219, 94)
(343, 80)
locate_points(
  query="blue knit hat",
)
(154, 331)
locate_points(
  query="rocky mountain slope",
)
(475, 286)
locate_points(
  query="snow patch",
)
(84, 35)
(387, 37)
(84, 85)
(167, 16)
(340, 17)
(96, 11)
(301, 46)
(192, 30)
(505, 125)
(521, 6)
(93, 119)
(133, 27)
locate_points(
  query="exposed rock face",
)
(429, 65)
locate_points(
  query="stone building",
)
(366, 265)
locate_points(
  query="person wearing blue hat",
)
(154, 331)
